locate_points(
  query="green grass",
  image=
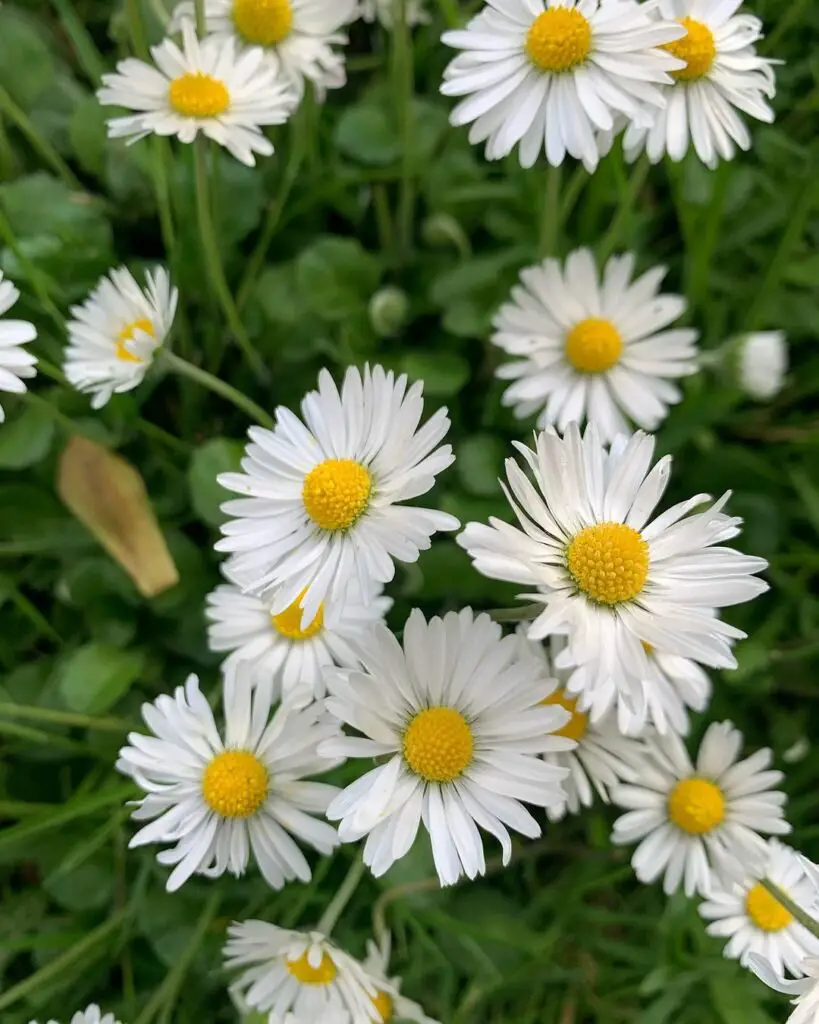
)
(373, 189)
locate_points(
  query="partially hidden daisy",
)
(322, 498)
(456, 714)
(117, 331)
(754, 921)
(302, 973)
(805, 989)
(213, 802)
(300, 39)
(616, 581)
(722, 77)
(279, 646)
(207, 86)
(91, 1015)
(694, 819)
(385, 11)
(547, 74)
(16, 364)
(591, 346)
(763, 363)
(389, 1002)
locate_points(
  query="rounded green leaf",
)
(96, 676)
(219, 455)
(26, 439)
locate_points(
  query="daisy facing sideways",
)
(593, 347)
(388, 1001)
(805, 989)
(117, 331)
(204, 86)
(16, 364)
(456, 715)
(322, 499)
(611, 578)
(214, 802)
(691, 820)
(91, 1015)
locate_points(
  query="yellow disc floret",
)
(382, 1001)
(593, 346)
(608, 562)
(196, 94)
(438, 744)
(127, 333)
(235, 784)
(558, 40)
(336, 492)
(263, 22)
(696, 806)
(305, 973)
(575, 728)
(766, 912)
(697, 48)
(288, 622)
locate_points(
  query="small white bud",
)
(763, 363)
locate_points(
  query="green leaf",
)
(278, 294)
(95, 677)
(219, 455)
(337, 277)
(26, 439)
(479, 464)
(87, 132)
(367, 134)
(736, 1000)
(26, 64)
(443, 373)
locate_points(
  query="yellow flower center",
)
(438, 744)
(263, 22)
(575, 728)
(235, 784)
(336, 492)
(288, 622)
(608, 562)
(382, 1002)
(305, 973)
(558, 40)
(696, 806)
(766, 912)
(697, 48)
(196, 94)
(593, 346)
(127, 333)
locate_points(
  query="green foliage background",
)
(372, 189)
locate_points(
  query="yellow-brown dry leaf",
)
(108, 497)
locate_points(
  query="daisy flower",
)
(117, 331)
(596, 347)
(321, 498)
(299, 972)
(606, 574)
(278, 646)
(384, 11)
(388, 1001)
(16, 364)
(91, 1015)
(214, 801)
(692, 820)
(722, 75)
(763, 364)
(299, 38)
(205, 86)
(805, 989)
(754, 921)
(548, 74)
(456, 715)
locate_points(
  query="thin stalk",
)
(404, 87)
(37, 142)
(35, 617)
(625, 208)
(524, 613)
(35, 276)
(218, 387)
(88, 55)
(699, 263)
(550, 214)
(159, 173)
(572, 193)
(67, 718)
(793, 908)
(201, 19)
(345, 892)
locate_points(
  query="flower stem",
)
(337, 904)
(523, 613)
(37, 142)
(625, 208)
(201, 19)
(793, 909)
(217, 386)
(404, 85)
(550, 214)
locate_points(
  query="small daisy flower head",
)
(692, 819)
(300, 973)
(295, 656)
(763, 364)
(203, 86)
(213, 802)
(456, 715)
(298, 39)
(593, 347)
(16, 364)
(545, 75)
(754, 921)
(91, 1015)
(115, 334)
(385, 12)
(322, 499)
(805, 989)
(389, 1002)
(611, 578)
(722, 77)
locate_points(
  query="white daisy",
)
(723, 74)
(205, 86)
(806, 989)
(692, 820)
(594, 347)
(302, 972)
(278, 646)
(456, 715)
(321, 500)
(299, 38)
(385, 11)
(91, 1015)
(754, 921)
(117, 331)
(215, 801)
(388, 1001)
(607, 575)
(763, 364)
(548, 73)
(16, 364)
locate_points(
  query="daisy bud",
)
(388, 311)
(762, 364)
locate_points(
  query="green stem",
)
(793, 908)
(550, 214)
(699, 261)
(345, 892)
(625, 209)
(218, 387)
(37, 142)
(88, 55)
(35, 276)
(201, 19)
(572, 192)
(67, 718)
(159, 173)
(404, 86)
(523, 613)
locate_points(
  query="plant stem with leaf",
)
(345, 892)
(217, 386)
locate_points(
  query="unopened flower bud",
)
(388, 311)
